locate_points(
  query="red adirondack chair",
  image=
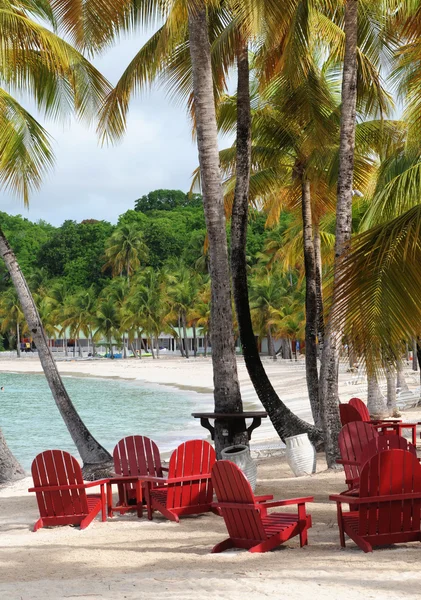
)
(386, 442)
(348, 414)
(133, 456)
(60, 491)
(352, 440)
(188, 489)
(386, 426)
(248, 523)
(389, 503)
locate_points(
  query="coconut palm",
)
(12, 318)
(36, 61)
(107, 322)
(125, 250)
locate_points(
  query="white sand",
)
(136, 559)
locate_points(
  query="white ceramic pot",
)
(240, 455)
(301, 455)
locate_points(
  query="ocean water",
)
(111, 409)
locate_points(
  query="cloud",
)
(96, 182)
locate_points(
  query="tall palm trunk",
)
(414, 355)
(271, 345)
(10, 469)
(226, 387)
(311, 304)
(391, 391)
(375, 401)
(185, 339)
(319, 288)
(400, 379)
(91, 452)
(328, 383)
(180, 343)
(17, 339)
(194, 340)
(283, 420)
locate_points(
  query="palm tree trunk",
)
(124, 346)
(328, 381)
(17, 340)
(319, 288)
(194, 340)
(185, 340)
(10, 469)
(414, 355)
(401, 384)
(157, 346)
(311, 303)
(283, 420)
(375, 401)
(271, 345)
(91, 452)
(391, 391)
(66, 350)
(152, 350)
(180, 343)
(227, 394)
(205, 342)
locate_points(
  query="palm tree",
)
(125, 250)
(37, 61)
(107, 321)
(12, 316)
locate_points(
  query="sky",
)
(94, 182)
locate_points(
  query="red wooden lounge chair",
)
(248, 523)
(386, 426)
(60, 491)
(188, 489)
(389, 503)
(352, 440)
(133, 456)
(386, 442)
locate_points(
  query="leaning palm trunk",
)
(226, 387)
(283, 420)
(311, 303)
(10, 469)
(91, 452)
(185, 339)
(328, 382)
(375, 401)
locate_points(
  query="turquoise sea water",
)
(111, 409)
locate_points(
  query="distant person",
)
(27, 347)
(2, 389)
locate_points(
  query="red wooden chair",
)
(133, 456)
(386, 426)
(348, 414)
(389, 503)
(352, 440)
(386, 442)
(60, 491)
(248, 523)
(188, 489)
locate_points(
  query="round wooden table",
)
(236, 422)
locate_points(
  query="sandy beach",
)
(133, 558)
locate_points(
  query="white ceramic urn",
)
(301, 455)
(240, 455)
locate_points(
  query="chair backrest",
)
(386, 442)
(390, 473)
(348, 414)
(231, 485)
(352, 440)
(55, 468)
(361, 407)
(195, 457)
(137, 455)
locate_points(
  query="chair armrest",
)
(74, 486)
(164, 469)
(264, 498)
(288, 502)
